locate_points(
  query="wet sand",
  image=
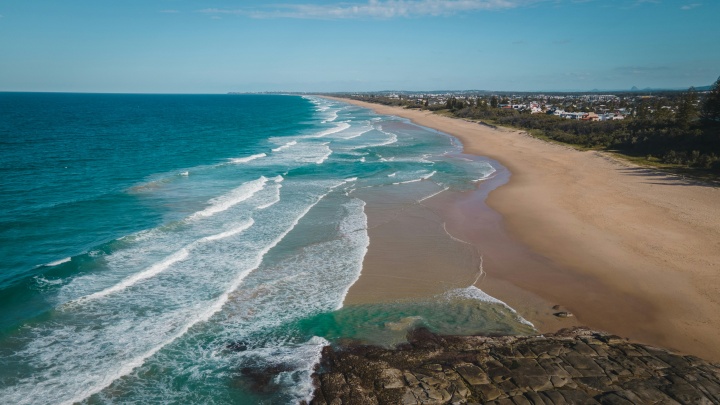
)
(626, 249)
(410, 255)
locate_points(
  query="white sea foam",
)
(353, 133)
(153, 270)
(392, 138)
(475, 293)
(43, 282)
(185, 173)
(346, 252)
(248, 158)
(487, 176)
(299, 359)
(285, 146)
(359, 134)
(83, 385)
(407, 181)
(325, 156)
(433, 194)
(453, 237)
(423, 159)
(302, 152)
(164, 264)
(222, 235)
(332, 118)
(58, 262)
(354, 226)
(259, 258)
(274, 201)
(140, 322)
(127, 367)
(416, 180)
(338, 128)
(236, 196)
(311, 357)
(325, 271)
(458, 157)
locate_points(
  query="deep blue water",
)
(163, 248)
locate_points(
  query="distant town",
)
(672, 129)
(575, 106)
(587, 106)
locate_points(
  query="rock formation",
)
(577, 366)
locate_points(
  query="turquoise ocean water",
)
(197, 248)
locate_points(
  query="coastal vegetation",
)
(673, 129)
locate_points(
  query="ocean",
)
(197, 249)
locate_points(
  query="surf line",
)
(204, 315)
(242, 193)
(163, 265)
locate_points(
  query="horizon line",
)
(281, 92)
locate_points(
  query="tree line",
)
(686, 135)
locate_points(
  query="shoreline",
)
(626, 249)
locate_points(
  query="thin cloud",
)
(374, 9)
(170, 11)
(690, 6)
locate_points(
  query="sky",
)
(218, 46)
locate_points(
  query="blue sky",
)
(216, 46)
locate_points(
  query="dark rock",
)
(563, 314)
(571, 366)
(488, 392)
(472, 374)
(534, 398)
(261, 379)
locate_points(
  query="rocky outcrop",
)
(576, 366)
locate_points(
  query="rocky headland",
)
(572, 366)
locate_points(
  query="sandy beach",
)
(626, 249)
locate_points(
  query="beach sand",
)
(626, 249)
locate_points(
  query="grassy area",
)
(651, 162)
